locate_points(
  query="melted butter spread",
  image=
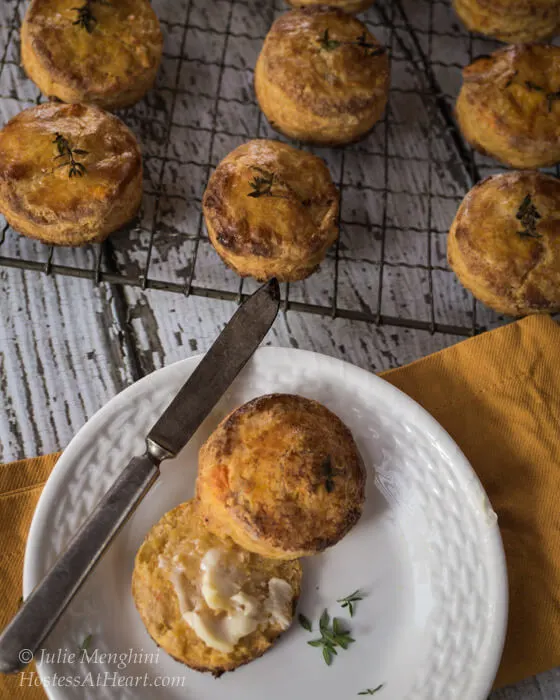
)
(225, 613)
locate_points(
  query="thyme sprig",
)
(533, 86)
(76, 169)
(305, 622)
(327, 43)
(86, 19)
(333, 636)
(84, 646)
(551, 97)
(529, 216)
(350, 601)
(371, 691)
(371, 49)
(263, 183)
(511, 79)
(328, 473)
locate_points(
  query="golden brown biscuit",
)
(321, 76)
(271, 211)
(509, 105)
(511, 20)
(69, 174)
(185, 578)
(504, 244)
(92, 51)
(282, 477)
(351, 6)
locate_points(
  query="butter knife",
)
(216, 371)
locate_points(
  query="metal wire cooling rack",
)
(400, 187)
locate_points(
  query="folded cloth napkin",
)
(498, 395)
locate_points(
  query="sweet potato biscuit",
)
(92, 51)
(514, 21)
(504, 244)
(322, 76)
(271, 211)
(69, 174)
(281, 476)
(509, 105)
(172, 586)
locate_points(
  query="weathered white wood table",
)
(70, 343)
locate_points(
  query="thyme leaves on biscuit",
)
(333, 636)
(350, 601)
(533, 86)
(371, 48)
(511, 79)
(326, 43)
(261, 185)
(551, 97)
(371, 691)
(65, 150)
(86, 19)
(328, 473)
(529, 216)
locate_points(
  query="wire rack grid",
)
(400, 187)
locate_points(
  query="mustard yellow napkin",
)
(21, 484)
(498, 395)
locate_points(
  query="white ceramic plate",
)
(427, 552)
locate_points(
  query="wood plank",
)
(169, 327)
(62, 356)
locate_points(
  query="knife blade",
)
(213, 375)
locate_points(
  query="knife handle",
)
(37, 616)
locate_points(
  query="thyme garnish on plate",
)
(371, 49)
(328, 473)
(84, 646)
(305, 622)
(371, 691)
(332, 636)
(350, 601)
(529, 216)
(76, 169)
(86, 19)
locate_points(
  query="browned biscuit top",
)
(271, 200)
(518, 87)
(518, 7)
(287, 471)
(65, 162)
(326, 61)
(507, 238)
(104, 54)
